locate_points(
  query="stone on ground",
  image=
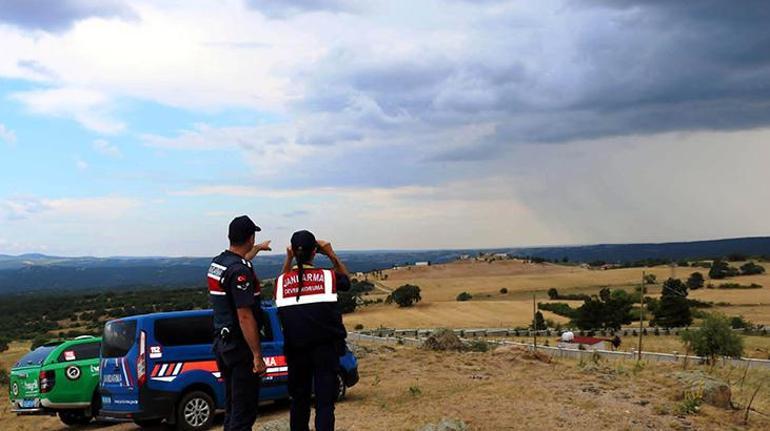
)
(713, 391)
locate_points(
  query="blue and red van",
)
(160, 367)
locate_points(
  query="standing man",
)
(314, 336)
(234, 293)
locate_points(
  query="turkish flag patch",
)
(241, 278)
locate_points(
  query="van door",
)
(117, 370)
(77, 371)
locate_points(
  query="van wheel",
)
(74, 417)
(195, 412)
(341, 388)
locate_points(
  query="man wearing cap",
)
(314, 336)
(234, 293)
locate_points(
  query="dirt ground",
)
(404, 388)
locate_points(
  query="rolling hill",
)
(38, 272)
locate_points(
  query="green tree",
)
(539, 323)
(553, 293)
(610, 310)
(721, 269)
(695, 281)
(751, 268)
(405, 296)
(714, 338)
(673, 309)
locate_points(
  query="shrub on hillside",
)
(405, 296)
(3, 377)
(721, 269)
(464, 296)
(738, 322)
(504, 290)
(751, 268)
(695, 281)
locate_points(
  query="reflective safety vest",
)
(319, 285)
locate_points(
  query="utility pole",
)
(641, 317)
(534, 321)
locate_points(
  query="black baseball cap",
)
(304, 240)
(241, 228)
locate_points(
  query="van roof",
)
(183, 313)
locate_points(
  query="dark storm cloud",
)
(59, 15)
(628, 68)
(284, 9)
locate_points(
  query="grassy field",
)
(404, 388)
(440, 285)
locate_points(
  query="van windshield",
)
(119, 336)
(35, 357)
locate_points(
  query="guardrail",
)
(559, 352)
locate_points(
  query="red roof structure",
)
(587, 340)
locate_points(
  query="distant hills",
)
(38, 272)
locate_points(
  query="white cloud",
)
(81, 164)
(7, 135)
(66, 209)
(89, 108)
(104, 147)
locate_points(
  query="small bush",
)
(415, 391)
(478, 346)
(464, 296)
(359, 327)
(4, 379)
(738, 322)
(751, 268)
(504, 290)
(690, 405)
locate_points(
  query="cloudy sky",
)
(142, 127)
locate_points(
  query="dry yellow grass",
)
(440, 285)
(450, 314)
(405, 388)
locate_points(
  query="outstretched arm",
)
(262, 246)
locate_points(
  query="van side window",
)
(185, 331)
(79, 352)
(265, 330)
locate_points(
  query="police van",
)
(160, 367)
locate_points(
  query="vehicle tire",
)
(195, 411)
(74, 417)
(341, 387)
(148, 423)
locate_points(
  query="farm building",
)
(426, 263)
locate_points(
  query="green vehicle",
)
(58, 378)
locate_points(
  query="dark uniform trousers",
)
(312, 367)
(236, 363)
